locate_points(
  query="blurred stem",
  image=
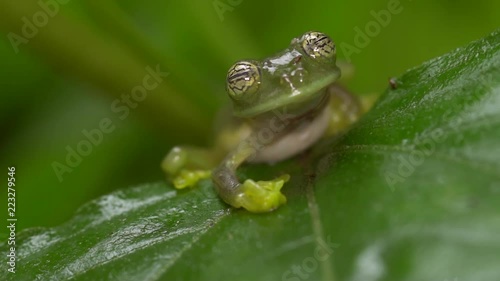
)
(74, 48)
(111, 17)
(220, 32)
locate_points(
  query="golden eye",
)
(317, 44)
(242, 78)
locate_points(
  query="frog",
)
(281, 105)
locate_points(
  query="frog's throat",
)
(303, 131)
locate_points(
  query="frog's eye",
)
(317, 44)
(242, 78)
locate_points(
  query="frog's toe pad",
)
(262, 196)
(189, 178)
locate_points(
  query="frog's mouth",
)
(298, 96)
(311, 112)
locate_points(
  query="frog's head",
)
(297, 75)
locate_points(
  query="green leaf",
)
(411, 192)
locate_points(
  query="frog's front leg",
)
(185, 166)
(346, 108)
(261, 196)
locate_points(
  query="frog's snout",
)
(294, 78)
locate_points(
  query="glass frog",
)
(283, 104)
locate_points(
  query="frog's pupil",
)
(318, 44)
(241, 78)
(323, 43)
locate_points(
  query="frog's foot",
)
(182, 170)
(189, 178)
(175, 160)
(262, 196)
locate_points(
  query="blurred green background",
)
(66, 77)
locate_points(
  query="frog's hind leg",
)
(346, 108)
(185, 166)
